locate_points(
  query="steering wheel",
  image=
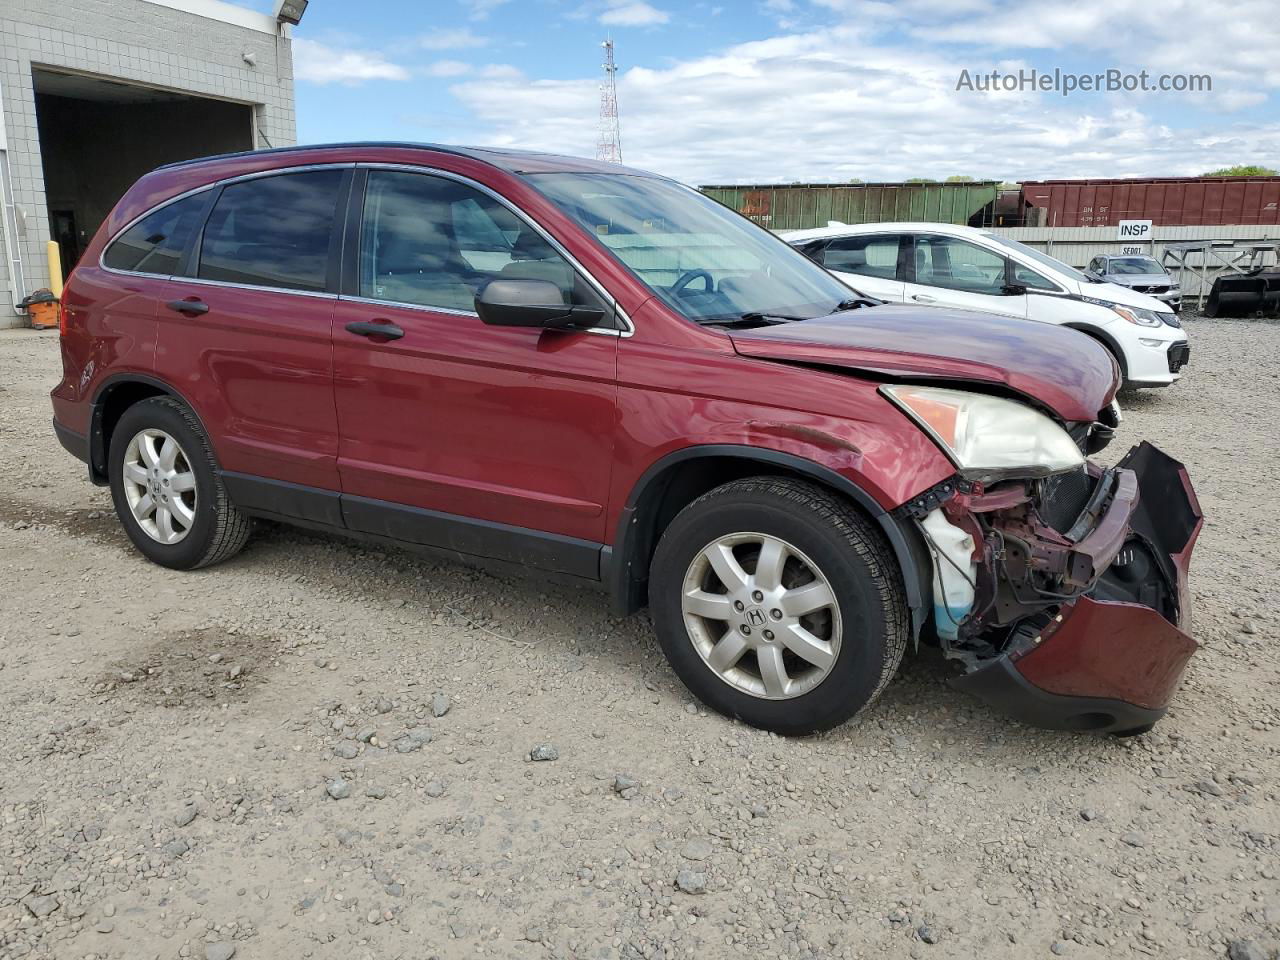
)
(689, 276)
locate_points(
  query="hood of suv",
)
(1061, 369)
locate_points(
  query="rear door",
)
(489, 441)
(867, 262)
(946, 271)
(245, 336)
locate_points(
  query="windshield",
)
(1133, 265)
(1043, 258)
(705, 261)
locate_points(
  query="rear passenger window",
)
(272, 231)
(874, 256)
(155, 243)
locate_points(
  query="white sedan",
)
(946, 265)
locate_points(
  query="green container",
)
(802, 206)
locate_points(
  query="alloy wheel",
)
(762, 615)
(159, 486)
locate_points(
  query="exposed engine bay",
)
(1012, 559)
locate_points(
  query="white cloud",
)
(480, 9)
(501, 71)
(454, 39)
(633, 14)
(447, 68)
(319, 63)
(846, 101)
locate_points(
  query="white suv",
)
(945, 265)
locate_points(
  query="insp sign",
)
(1134, 230)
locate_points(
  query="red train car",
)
(1166, 201)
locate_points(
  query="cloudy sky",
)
(739, 91)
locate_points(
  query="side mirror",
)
(532, 303)
(1014, 290)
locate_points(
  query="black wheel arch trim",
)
(620, 566)
(97, 440)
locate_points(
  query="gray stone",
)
(434, 789)
(383, 705)
(347, 750)
(393, 889)
(625, 786)
(412, 740)
(439, 704)
(1134, 839)
(692, 881)
(339, 789)
(697, 850)
(41, 906)
(185, 816)
(544, 751)
(928, 934)
(1245, 950)
(375, 792)
(1088, 814)
(219, 951)
(1209, 788)
(1057, 948)
(365, 734)
(175, 848)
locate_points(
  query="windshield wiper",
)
(752, 319)
(853, 303)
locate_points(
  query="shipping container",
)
(1165, 201)
(803, 205)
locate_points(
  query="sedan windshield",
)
(705, 261)
(1133, 265)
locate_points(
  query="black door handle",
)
(191, 308)
(369, 328)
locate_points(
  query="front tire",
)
(778, 603)
(166, 488)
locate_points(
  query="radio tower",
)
(609, 146)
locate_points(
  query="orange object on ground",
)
(42, 308)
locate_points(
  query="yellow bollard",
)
(55, 269)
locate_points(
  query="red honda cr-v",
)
(601, 374)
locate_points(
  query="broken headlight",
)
(986, 437)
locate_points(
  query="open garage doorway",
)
(98, 135)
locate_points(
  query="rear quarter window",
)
(156, 242)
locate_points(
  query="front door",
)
(488, 441)
(949, 272)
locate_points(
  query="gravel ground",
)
(325, 750)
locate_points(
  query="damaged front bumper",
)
(1077, 612)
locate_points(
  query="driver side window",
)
(433, 242)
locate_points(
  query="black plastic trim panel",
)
(276, 499)
(1001, 686)
(469, 537)
(76, 444)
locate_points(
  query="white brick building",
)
(97, 92)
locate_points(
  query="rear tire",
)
(167, 490)
(822, 623)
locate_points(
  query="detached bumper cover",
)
(1106, 664)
